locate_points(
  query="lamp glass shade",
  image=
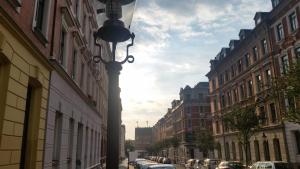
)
(127, 9)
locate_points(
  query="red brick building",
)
(242, 73)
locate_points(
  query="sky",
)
(175, 40)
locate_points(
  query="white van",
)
(270, 165)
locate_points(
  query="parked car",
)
(271, 165)
(138, 160)
(198, 164)
(166, 161)
(190, 164)
(210, 163)
(162, 166)
(160, 160)
(230, 165)
(145, 164)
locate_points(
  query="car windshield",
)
(281, 166)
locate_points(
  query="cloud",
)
(174, 42)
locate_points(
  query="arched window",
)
(233, 151)
(277, 151)
(266, 151)
(241, 152)
(227, 151)
(219, 150)
(257, 151)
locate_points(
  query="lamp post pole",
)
(114, 31)
(114, 115)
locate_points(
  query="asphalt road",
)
(124, 165)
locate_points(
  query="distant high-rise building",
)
(143, 139)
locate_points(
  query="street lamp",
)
(115, 29)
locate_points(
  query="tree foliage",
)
(204, 140)
(129, 145)
(245, 121)
(288, 86)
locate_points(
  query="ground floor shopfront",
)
(271, 144)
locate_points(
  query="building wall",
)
(122, 142)
(24, 81)
(70, 109)
(77, 114)
(21, 67)
(274, 128)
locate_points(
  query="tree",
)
(288, 86)
(245, 122)
(204, 141)
(129, 145)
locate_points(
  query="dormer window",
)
(275, 3)
(258, 20)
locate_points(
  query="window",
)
(233, 71)
(240, 66)
(223, 103)
(57, 137)
(39, 15)
(233, 151)
(217, 127)
(82, 74)
(62, 58)
(250, 88)
(280, 32)
(264, 46)
(297, 52)
(91, 146)
(256, 149)
(263, 115)
(219, 150)
(226, 76)
(275, 3)
(77, 8)
(258, 83)
(255, 53)
(229, 98)
(277, 151)
(40, 21)
(227, 153)
(84, 24)
(220, 80)
(74, 65)
(293, 21)
(273, 113)
(297, 137)
(284, 64)
(79, 145)
(214, 84)
(86, 146)
(235, 95)
(215, 104)
(241, 152)
(70, 139)
(268, 77)
(242, 91)
(266, 151)
(247, 59)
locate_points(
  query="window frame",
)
(279, 32)
(293, 21)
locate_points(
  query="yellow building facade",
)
(24, 83)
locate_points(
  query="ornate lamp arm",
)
(99, 58)
(129, 58)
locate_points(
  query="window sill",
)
(40, 36)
